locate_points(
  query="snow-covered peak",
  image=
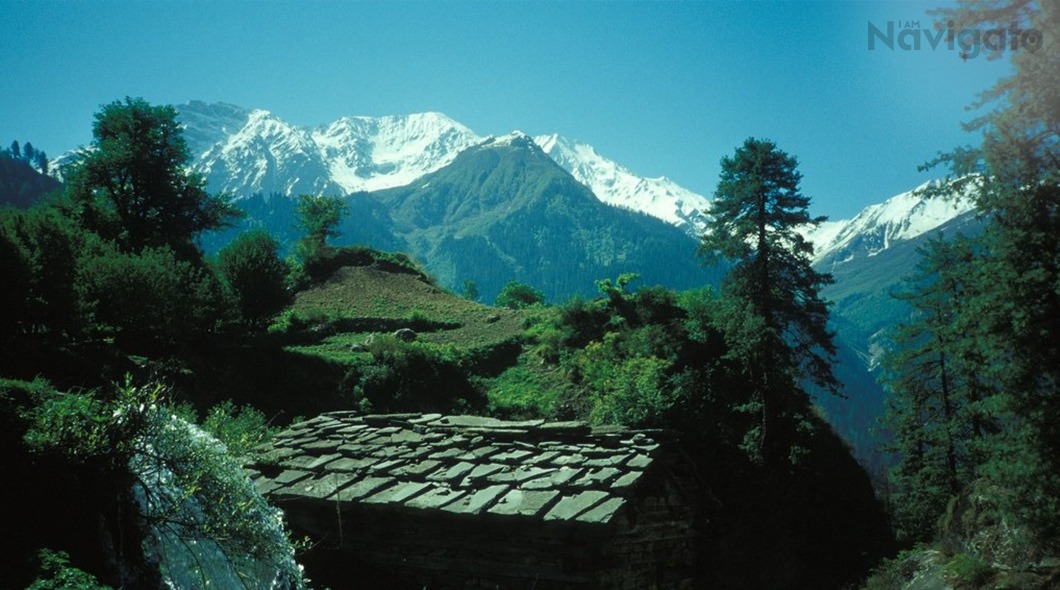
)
(516, 137)
(877, 227)
(245, 151)
(616, 185)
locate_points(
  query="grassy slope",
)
(360, 301)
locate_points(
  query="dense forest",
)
(139, 372)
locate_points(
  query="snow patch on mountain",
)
(244, 152)
(616, 185)
(877, 227)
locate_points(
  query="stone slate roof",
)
(550, 471)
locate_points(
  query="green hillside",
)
(502, 212)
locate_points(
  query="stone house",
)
(432, 501)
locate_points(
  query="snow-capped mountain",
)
(244, 151)
(614, 184)
(878, 227)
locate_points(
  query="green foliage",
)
(151, 301)
(75, 425)
(58, 574)
(934, 371)
(253, 270)
(631, 391)
(516, 295)
(470, 290)
(1012, 315)
(411, 376)
(195, 499)
(967, 570)
(521, 392)
(757, 214)
(239, 429)
(41, 255)
(133, 187)
(894, 573)
(318, 218)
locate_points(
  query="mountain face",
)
(21, 185)
(878, 227)
(616, 185)
(246, 152)
(503, 210)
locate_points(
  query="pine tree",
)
(934, 410)
(1017, 312)
(757, 211)
(16, 153)
(42, 162)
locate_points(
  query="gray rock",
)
(405, 335)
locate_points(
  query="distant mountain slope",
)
(504, 210)
(615, 185)
(21, 185)
(501, 211)
(878, 227)
(252, 151)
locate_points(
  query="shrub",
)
(967, 570)
(239, 429)
(151, 301)
(516, 295)
(58, 574)
(256, 275)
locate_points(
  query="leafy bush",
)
(520, 394)
(239, 429)
(412, 376)
(151, 301)
(257, 276)
(967, 570)
(515, 295)
(627, 390)
(206, 521)
(58, 574)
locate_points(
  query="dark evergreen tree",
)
(1015, 177)
(934, 414)
(134, 187)
(16, 153)
(756, 213)
(41, 162)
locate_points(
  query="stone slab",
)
(364, 487)
(603, 513)
(626, 481)
(476, 502)
(435, 498)
(349, 464)
(397, 494)
(570, 506)
(524, 503)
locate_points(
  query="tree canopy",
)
(133, 186)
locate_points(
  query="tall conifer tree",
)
(757, 212)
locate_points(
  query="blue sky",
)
(665, 88)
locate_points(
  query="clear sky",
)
(665, 88)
